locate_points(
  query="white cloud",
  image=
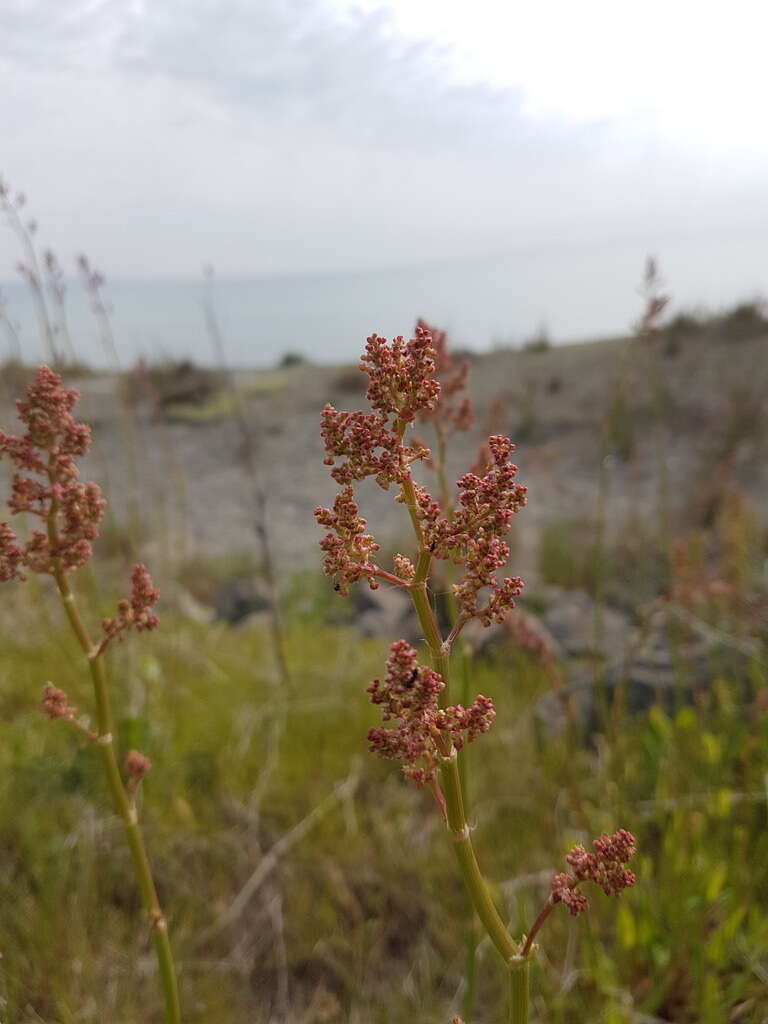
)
(289, 135)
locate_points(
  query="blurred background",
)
(205, 210)
(347, 167)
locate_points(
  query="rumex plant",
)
(46, 486)
(422, 729)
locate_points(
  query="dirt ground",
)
(574, 411)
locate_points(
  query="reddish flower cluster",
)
(348, 548)
(484, 516)
(70, 510)
(401, 375)
(55, 703)
(134, 613)
(136, 765)
(454, 409)
(370, 444)
(422, 732)
(11, 555)
(604, 867)
(473, 536)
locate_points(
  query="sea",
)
(566, 293)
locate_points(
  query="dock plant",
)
(421, 727)
(46, 487)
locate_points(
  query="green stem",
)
(450, 781)
(518, 990)
(123, 805)
(468, 866)
(454, 804)
(470, 961)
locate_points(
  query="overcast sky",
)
(292, 135)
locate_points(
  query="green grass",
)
(224, 404)
(370, 905)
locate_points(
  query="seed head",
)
(348, 548)
(55, 703)
(134, 612)
(401, 375)
(421, 732)
(45, 483)
(604, 866)
(360, 445)
(11, 555)
(136, 765)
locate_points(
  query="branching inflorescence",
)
(466, 529)
(423, 732)
(46, 486)
(359, 445)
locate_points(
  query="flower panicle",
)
(348, 548)
(420, 733)
(360, 445)
(134, 612)
(401, 381)
(55, 704)
(368, 445)
(604, 866)
(45, 483)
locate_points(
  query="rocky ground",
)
(583, 416)
(574, 411)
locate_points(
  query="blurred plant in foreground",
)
(422, 729)
(45, 485)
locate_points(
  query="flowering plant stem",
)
(450, 784)
(519, 972)
(427, 733)
(123, 804)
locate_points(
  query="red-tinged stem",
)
(544, 913)
(458, 625)
(389, 577)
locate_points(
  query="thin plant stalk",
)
(11, 330)
(58, 292)
(519, 985)
(123, 804)
(450, 778)
(248, 453)
(30, 271)
(463, 656)
(70, 512)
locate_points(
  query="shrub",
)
(170, 384)
(292, 359)
(745, 321)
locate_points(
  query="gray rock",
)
(580, 628)
(240, 598)
(384, 612)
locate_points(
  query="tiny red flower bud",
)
(55, 703)
(136, 765)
